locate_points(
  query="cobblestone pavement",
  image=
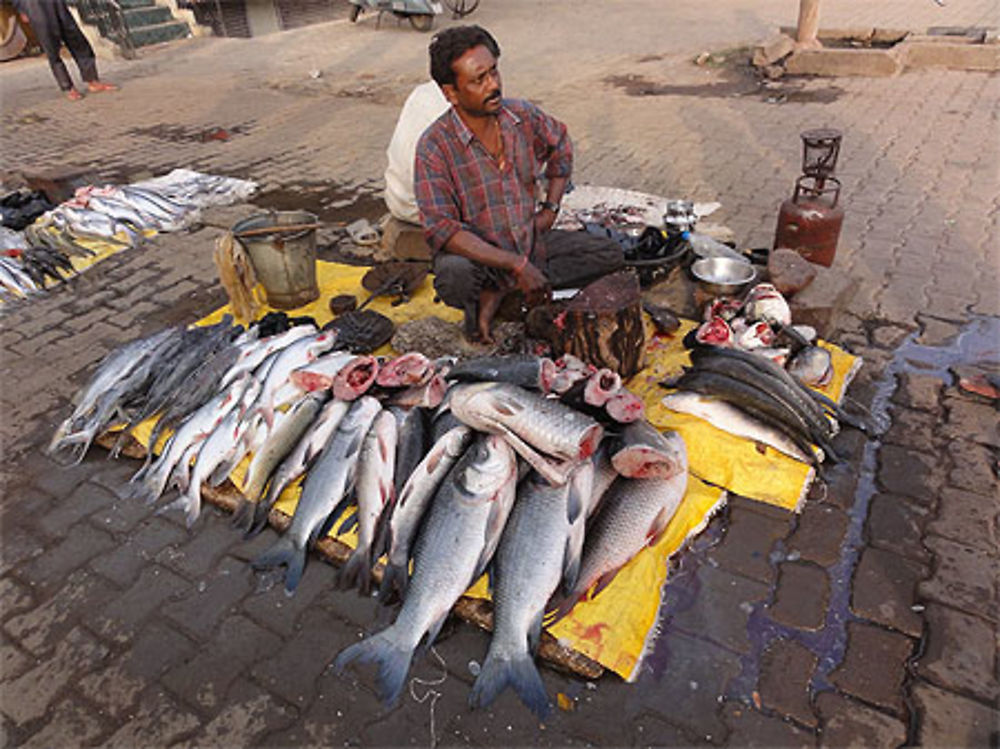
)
(869, 619)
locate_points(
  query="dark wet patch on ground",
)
(184, 134)
(331, 203)
(733, 85)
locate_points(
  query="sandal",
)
(74, 95)
(96, 87)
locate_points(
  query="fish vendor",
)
(54, 26)
(475, 182)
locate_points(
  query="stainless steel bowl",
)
(723, 276)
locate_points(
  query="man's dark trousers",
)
(54, 25)
(571, 259)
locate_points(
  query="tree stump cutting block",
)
(602, 325)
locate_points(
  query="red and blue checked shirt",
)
(459, 185)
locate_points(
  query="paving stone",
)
(750, 728)
(819, 533)
(42, 628)
(292, 671)
(18, 547)
(889, 336)
(912, 474)
(121, 516)
(746, 547)
(973, 467)
(116, 686)
(963, 577)
(248, 715)
(852, 725)
(874, 666)
(801, 596)
(13, 661)
(57, 480)
(971, 420)
(210, 600)
(914, 430)
(278, 612)
(948, 719)
(158, 721)
(51, 568)
(205, 677)
(934, 332)
(897, 525)
(212, 539)
(884, 590)
(684, 683)
(71, 724)
(120, 618)
(967, 518)
(961, 653)
(919, 391)
(29, 696)
(14, 597)
(716, 606)
(123, 564)
(651, 730)
(786, 668)
(24, 506)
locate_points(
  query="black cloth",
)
(54, 26)
(570, 259)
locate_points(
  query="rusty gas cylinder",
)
(809, 222)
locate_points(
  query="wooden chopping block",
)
(602, 325)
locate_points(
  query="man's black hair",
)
(450, 44)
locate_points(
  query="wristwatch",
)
(548, 205)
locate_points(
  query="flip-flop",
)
(98, 86)
(74, 95)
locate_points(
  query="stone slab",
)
(948, 719)
(848, 724)
(801, 596)
(963, 577)
(961, 653)
(968, 518)
(884, 590)
(873, 668)
(844, 62)
(786, 668)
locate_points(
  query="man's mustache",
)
(495, 95)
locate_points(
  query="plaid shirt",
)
(459, 185)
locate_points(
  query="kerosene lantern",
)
(810, 221)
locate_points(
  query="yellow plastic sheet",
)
(615, 627)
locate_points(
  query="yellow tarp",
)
(614, 627)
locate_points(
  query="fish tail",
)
(284, 552)
(392, 656)
(515, 670)
(357, 572)
(243, 515)
(395, 579)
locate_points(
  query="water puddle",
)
(184, 134)
(744, 85)
(331, 203)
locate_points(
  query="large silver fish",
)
(536, 552)
(454, 546)
(374, 494)
(400, 527)
(328, 481)
(531, 423)
(633, 515)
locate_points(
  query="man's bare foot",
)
(74, 95)
(489, 303)
(96, 87)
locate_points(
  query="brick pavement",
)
(868, 619)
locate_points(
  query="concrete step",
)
(160, 32)
(129, 4)
(149, 16)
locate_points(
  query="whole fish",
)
(429, 395)
(280, 442)
(525, 370)
(287, 360)
(400, 527)
(643, 452)
(220, 444)
(194, 429)
(325, 486)
(729, 418)
(295, 465)
(374, 494)
(536, 552)
(455, 544)
(633, 515)
(411, 445)
(253, 353)
(531, 423)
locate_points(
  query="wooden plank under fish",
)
(474, 610)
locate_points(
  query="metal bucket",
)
(284, 262)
